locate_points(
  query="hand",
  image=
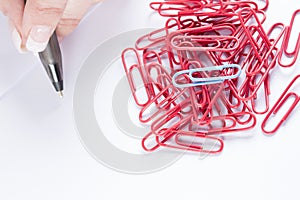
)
(33, 24)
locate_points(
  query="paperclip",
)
(168, 8)
(203, 43)
(129, 70)
(151, 57)
(145, 140)
(174, 59)
(266, 6)
(180, 138)
(207, 113)
(172, 119)
(279, 103)
(162, 78)
(233, 126)
(196, 104)
(239, 107)
(258, 27)
(229, 95)
(285, 44)
(220, 7)
(271, 59)
(162, 105)
(226, 14)
(195, 81)
(245, 36)
(201, 30)
(156, 38)
(266, 98)
(155, 145)
(219, 18)
(188, 102)
(253, 62)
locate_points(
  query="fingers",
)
(39, 22)
(13, 9)
(33, 24)
(74, 12)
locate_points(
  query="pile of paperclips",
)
(199, 77)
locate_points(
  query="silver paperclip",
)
(192, 81)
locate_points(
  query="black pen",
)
(51, 59)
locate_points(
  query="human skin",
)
(33, 24)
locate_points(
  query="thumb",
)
(39, 22)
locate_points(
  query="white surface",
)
(42, 157)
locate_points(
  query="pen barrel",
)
(52, 61)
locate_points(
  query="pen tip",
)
(61, 94)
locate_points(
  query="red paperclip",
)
(244, 34)
(129, 70)
(172, 8)
(257, 26)
(266, 98)
(207, 33)
(282, 99)
(203, 43)
(157, 37)
(155, 145)
(188, 140)
(264, 8)
(230, 123)
(171, 119)
(286, 42)
(157, 75)
(270, 59)
(162, 102)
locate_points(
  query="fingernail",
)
(17, 41)
(38, 38)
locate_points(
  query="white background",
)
(41, 156)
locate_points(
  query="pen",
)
(51, 59)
